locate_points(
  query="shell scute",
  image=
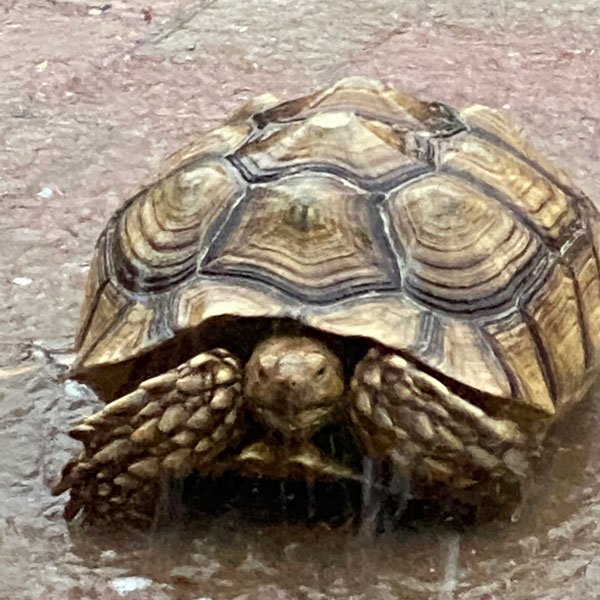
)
(364, 212)
(311, 235)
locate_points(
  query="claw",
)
(82, 433)
(72, 508)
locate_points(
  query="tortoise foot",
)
(431, 436)
(169, 426)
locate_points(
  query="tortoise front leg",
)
(430, 435)
(171, 425)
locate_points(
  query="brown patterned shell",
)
(362, 211)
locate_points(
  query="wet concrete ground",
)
(92, 97)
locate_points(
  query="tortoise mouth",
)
(303, 461)
(265, 478)
(330, 454)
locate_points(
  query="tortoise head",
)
(293, 384)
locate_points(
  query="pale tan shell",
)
(362, 211)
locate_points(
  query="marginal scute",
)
(585, 269)
(500, 124)
(106, 307)
(129, 335)
(391, 320)
(593, 225)
(588, 276)
(96, 279)
(221, 141)
(519, 349)
(461, 351)
(466, 356)
(555, 312)
(209, 298)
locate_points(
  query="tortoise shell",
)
(360, 211)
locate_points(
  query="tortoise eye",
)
(321, 372)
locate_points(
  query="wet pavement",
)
(92, 98)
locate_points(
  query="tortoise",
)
(355, 260)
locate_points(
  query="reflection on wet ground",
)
(88, 114)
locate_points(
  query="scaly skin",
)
(431, 435)
(171, 425)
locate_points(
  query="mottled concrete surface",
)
(92, 97)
